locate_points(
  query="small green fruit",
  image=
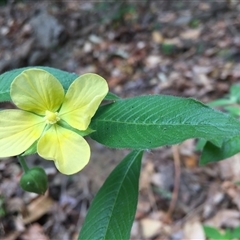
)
(34, 180)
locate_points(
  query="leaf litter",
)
(182, 48)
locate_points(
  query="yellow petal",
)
(68, 150)
(83, 99)
(18, 131)
(36, 90)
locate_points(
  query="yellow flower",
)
(44, 112)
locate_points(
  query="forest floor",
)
(182, 48)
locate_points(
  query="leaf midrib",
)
(121, 184)
(158, 124)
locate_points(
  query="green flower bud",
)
(34, 180)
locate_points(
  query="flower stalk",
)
(23, 163)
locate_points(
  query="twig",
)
(177, 168)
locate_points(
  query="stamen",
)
(51, 117)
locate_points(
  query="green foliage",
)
(194, 23)
(64, 77)
(112, 211)
(213, 153)
(142, 123)
(231, 144)
(167, 48)
(232, 99)
(2, 208)
(235, 233)
(3, 2)
(115, 11)
(226, 54)
(152, 121)
(214, 234)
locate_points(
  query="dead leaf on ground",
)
(230, 168)
(38, 208)
(193, 230)
(214, 198)
(135, 229)
(146, 175)
(191, 34)
(12, 236)
(233, 191)
(150, 227)
(225, 218)
(157, 37)
(35, 231)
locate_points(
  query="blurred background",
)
(178, 47)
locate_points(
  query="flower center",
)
(51, 117)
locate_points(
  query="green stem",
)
(23, 163)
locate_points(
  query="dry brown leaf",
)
(153, 61)
(157, 37)
(150, 227)
(38, 208)
(226, 70)
(233, 191)
(113, 81)
(146, 175)
(12, 236)
(187, 149)
(198, 69)
(135, 229)
(173, 41)
(193, 230)
(214, 198)
(35, 231)
(156, 179)
(15, 204)
(143, 207)
(191, 34)
(204, 6)
(230, 168)
(227, 218)
(236, 71)
(190, 161)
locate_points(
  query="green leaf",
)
(64, 77)
(236, 232)
(232, 99)
(235, 92)
(227, 235)
(153, 121)
(200, 144)
(167, 48)
(221, 102)
(212, 153)
(111, 96)
(31, 150)
(64, 124)
(6, 79)
(233, 110)
(212, 232)
(113, 209)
